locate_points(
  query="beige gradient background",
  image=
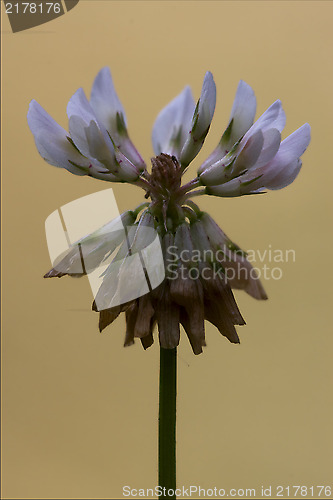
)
(79, 410)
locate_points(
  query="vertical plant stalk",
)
(167, 421)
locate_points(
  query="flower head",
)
(201, 264)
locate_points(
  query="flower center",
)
(165, 182)
(165, 177)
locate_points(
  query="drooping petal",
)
(202, 117)
(52, 142)
(131, 317)
(238, 270)
(173, 124)
(167, 315)
(144, 319)
(89, 252)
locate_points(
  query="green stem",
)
(167, 421)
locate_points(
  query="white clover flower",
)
(198, 256)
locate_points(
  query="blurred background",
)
(79, 410)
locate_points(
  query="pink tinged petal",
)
(104, 100)
(202, 117)
(124, 168)
(52, 143)
(173, 123)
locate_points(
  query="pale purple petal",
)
(111, 117)
(173, 124)
(242, 115)
(273, 117)
(284, 168)
(52, 143)
(283, 175)
(272, 140)
(104, 100)
(249, 153)
(207, 102)
(81, 115)
(79, 105)
(202, 117)
(297, 142)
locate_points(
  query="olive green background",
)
(79, 410)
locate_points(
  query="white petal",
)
(175, 118)
(242, 114)
(104, 99)
(51, 141)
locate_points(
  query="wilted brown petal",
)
(167, 314)
(144, 317)
(131, 316)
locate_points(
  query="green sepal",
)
(120, 124)
(70, 140)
